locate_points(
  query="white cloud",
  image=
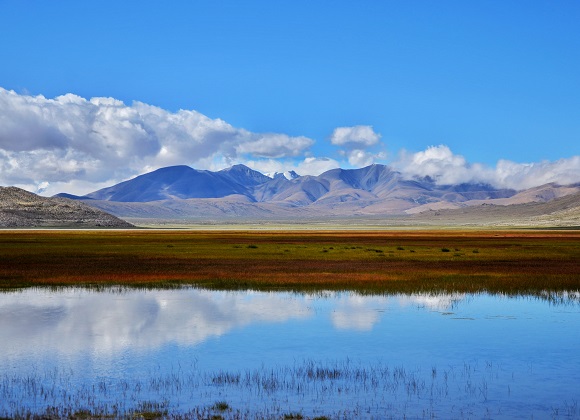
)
(359, 158)
(76, 145)
(527, 175)
(445, 167)
(437, 162)
(275, 145)
(316, 165)
(358, 136)
(308, 166)
(70, 138)
(43, 186)
(355, 142)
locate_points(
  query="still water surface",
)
(270, 354)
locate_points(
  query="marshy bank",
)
(467, 261)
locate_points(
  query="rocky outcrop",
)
(22, 209)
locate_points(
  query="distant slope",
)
(562, 211)
(541, 194)
(20, 208)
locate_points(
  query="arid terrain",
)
(22, 209)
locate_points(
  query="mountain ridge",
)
(371, 182)
(239, 192)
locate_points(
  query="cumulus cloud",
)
(70, 138)
(316, 165)
(438, 163)
(275, 145)
(79, 145)
(358, 136)
(355, 142)
(359, 158)
(445, 167)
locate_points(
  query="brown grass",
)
(504, 261)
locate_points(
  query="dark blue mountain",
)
(181, 182)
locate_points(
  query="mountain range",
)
(241, 193)
(370, 184)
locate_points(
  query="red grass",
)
(294, 260)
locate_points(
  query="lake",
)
(200, 353)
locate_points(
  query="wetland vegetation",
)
(314, 390)
(371, 261)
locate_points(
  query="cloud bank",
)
(76, 145)
(445, 167)
(70, 139)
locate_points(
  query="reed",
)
(368, 262)
(308, 389)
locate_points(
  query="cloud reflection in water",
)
(362, 313)
(76, 320)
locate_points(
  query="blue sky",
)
(483, 81)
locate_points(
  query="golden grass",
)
(374, 261)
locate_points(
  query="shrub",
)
(293, 416)
(221, 406)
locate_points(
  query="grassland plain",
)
(503, 261)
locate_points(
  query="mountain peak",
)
(243, 175)
(289, 175)
(237, 167)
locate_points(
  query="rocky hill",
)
(22, 209)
